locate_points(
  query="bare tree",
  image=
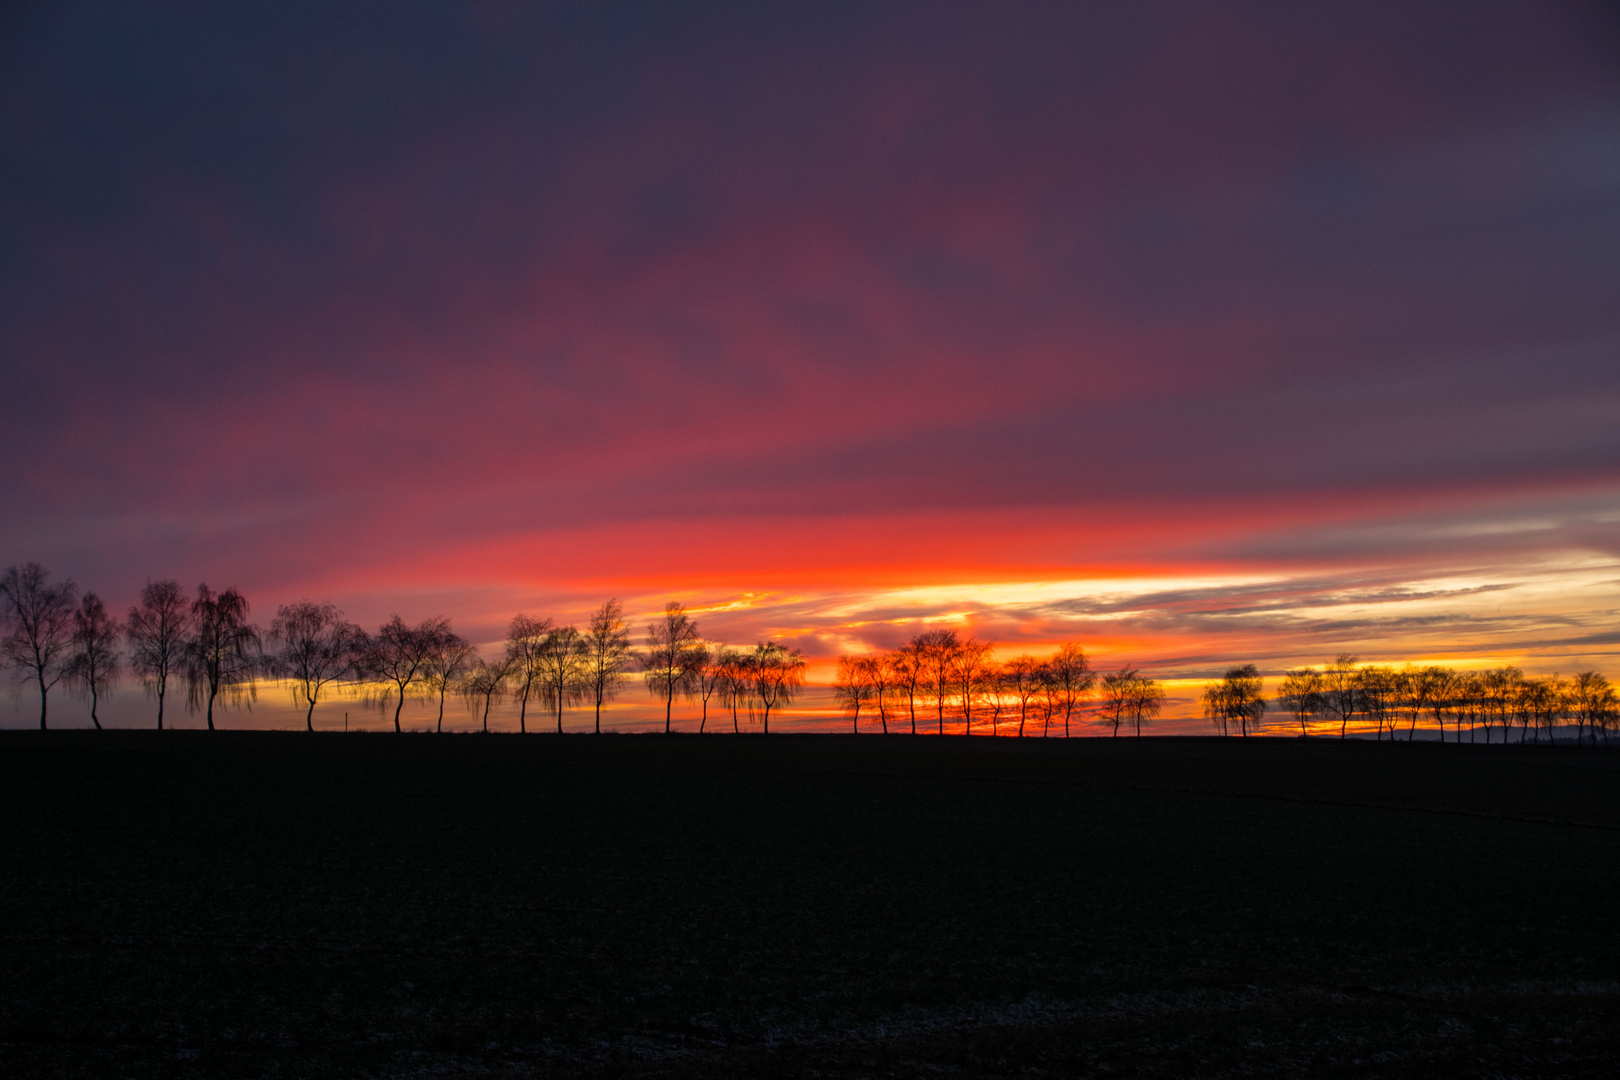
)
(673, 645)
(735, 682)
(936, 653)
(223, 654)
(1590, 698)
(561, 669)
(881, 670)
(1375, 688)
(94, 665)
(708, 679)
(1072, 679)
(314, 646)
(447, 664)
(1339, 689)
(485, 684)
(525, 637)
(1444, 685)
(1500, 687)
(607, 655)
(909, 675)
(1236, 699)
(1301, 694)
(397, 658)
(778, 672)
(852, 688)
(1021, 676)
(1118, 693)
(970, 671)
(1146, 701)
(38, 627)
(158, 629)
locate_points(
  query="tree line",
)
(1392, 701)
(956, 678)
(206, 645)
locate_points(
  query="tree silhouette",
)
(525, 637)
(852, 688)
(880, 669)
(485, 684)
(735, 682)
(1500, 688)
(397, 658)
(1340, 689)
(158, 629)
(607, 655)
(94, 663)
(777, 673)
(971, 672)
(560, 668)
(314, 646)
(1118, 696)
(1590, 699)
(1442, 686)
(909, 676)
(1072, 679)
(38, 627)
(673, 645)
(1301, 694)
(1146, 701)
(222, 657)
(1020, 675)
(447, 664)
(936, 654)
(1236, 699)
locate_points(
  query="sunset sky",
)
(1201, 334)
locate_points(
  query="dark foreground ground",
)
(243, 904)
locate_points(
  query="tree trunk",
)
(669, 703)
(212, 691)
(93, 718)
(42, 692)
(309, 717)
(398, 705)
(161, 689)
(599, 710)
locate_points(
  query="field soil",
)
(291, 905)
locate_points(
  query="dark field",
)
(244, 904)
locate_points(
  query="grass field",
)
(272, 904)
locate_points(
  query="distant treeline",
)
(205, 645)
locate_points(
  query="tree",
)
(852, 688)
(1443, 686)
(1236, 699)
(1072, 679)
(970, 672)
(38, 627)
(607, 655)
(936, 652)
(1020, 676)
(1500, 690)
(777, 673)
(1118, 695)
(1339, 689)
(673, 645)
(1301, 694)
(223, 654)
(314, 646)
(1590, 700)
(1146, 701)
(735, 682)
(158, 629)
(525, 637)
(560, 666)
(397, 658)
(909, 673)
(881, 671)
(1375, 689)
(708, 679)
(447, 664)
(94, 663)
(485, 684)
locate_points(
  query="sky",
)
(1199, 334)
